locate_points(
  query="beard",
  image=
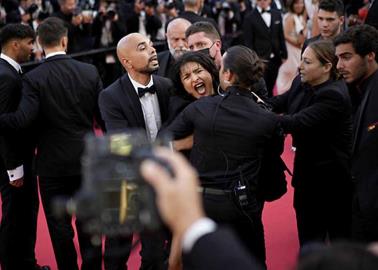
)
(176, 53)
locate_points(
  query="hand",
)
(77, 20)
(183, 144)
(18, 182)
(178, 199)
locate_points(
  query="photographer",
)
(180, 206)
(79, 25)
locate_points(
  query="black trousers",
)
(19, 222)
(271, 73)
(246, 225)
(154, 253)
(61, 231)
(323, 213)
(364, 223)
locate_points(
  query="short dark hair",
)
(245, 64)
(51, 31)
(15, 31)
(332, 6)
(324, 51)
(210, 31)
(197, 57)
(364, 39)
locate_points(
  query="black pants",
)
(61, 231)
(270, 74)
(364, 223)
(246, 225)
(18, 223)
(154, 253)
(322, 212)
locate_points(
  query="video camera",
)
(114, 198)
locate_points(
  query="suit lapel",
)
(132, 100)
(162, 98)
(261, 20)
(358, 118)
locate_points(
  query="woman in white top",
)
(295, 31)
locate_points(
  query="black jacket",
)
(262, 39)
(120, 105)
(365, 146)
(61, 94)
(230, 136)
(320, 121)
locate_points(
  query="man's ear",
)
(371, 56)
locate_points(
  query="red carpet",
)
(280, 232)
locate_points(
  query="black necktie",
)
(142, 91)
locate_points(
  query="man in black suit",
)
(177, 45)
(179, 202)
(330, 20)
(357, 52)
(136, 100)
(18, 188)
(263, 33)
(60, 95)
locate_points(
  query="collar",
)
(364, 84)
(260, 9)
(313, 88)
(136, 84)
(55, 53)
(13, 63)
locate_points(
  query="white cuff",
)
(196, 231)
(16, 173)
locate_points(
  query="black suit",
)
(365, 163)
(226, 148)
(267, 42)
(121, 110)
(166, 62)
(61, 94)
(218, 250)
(319, 119)
(19, 205)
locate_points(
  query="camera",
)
(114, 199)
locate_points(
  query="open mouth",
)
(200, 88)
(154, 58)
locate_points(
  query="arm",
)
(111, 112)
(26, 112)
(327, 107)
(283, 49)
(247, 32)
(183, 126)
(97, 113)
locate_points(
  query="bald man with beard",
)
(136, 100)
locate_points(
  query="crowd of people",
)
(212, 89)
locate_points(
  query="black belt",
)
(214, 191)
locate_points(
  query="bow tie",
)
(265, 10)
(142, 91)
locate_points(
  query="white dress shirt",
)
(267, 17)
(18, 172)
(150, 108)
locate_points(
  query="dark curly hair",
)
(364, 39)
(197, 57)
(245, 64)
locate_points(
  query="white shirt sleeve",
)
(16, 173)
(198, 229)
